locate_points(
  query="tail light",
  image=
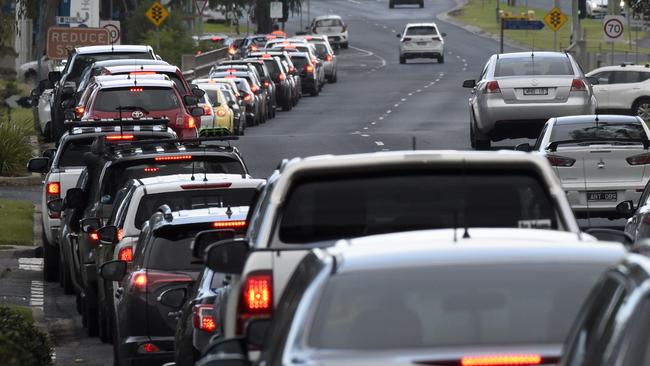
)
(190, 122)
(253, 47)
(207, 110)
(256, 298)
(643, 159)
(309, 68)
(143, 280)
(406, 39)
(79, 111)
(125, 254)
(203, 319)
(136, 89)
(492, 87)
(151, 170)
(254, 88)
(578, 85)
(266, 84)
(232, 50)
(328, 57)
(221, 112)
(93, 237)
(562, 161)
(232, 224)
(120, 137)
(52, 192)
(502, 360)
(148, 348)
(282, 77)
(248, 97)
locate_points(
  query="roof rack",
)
(126, 145)
(116, 122)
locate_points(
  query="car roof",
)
(544, 54)
(135, 61)
(112, 48)
(484, 246)
(329, 16)
(298, 54)
(140, 82)
(611, 118)
(136, 67)
(170, 183)
(624, 67)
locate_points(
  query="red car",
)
(138, 98)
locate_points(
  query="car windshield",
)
(329, 23)
(537, 65)
(482, 305)
(170, 249)
(421, 31)
(598, 131)
(336, 207)
(192, 200)
(151, 99)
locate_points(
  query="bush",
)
(21, 343)
(15, 149)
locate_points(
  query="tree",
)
(260, 10)
(641, 7)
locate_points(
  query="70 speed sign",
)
(613, 28)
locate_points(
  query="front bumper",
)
(337, 38)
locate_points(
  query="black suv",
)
(90, 204)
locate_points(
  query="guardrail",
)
(198, 66)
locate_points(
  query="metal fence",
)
(198, 66)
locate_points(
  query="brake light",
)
(148, 348)
(229, 224)
(206, 186)
(309, 68)
(642, 159)
(578, 85)
(309, 38)
(254, 88)
(562, 161)
(256, 298)
(203, 319)
(119, 137)
(191, 122)
(207, 110)
(221, 112)
(151, 280)
(216, 39)
(282, 77)
(248, 98)
(151, 170)
(142, 73)
(54, 189)
(232, 51)
(266, 84)
(328, 58)
(253, 47)
(492, 87)
(173, 158)
(501, 360)
(136, 89)
(94, 236)
(79, 111)
(125, 254)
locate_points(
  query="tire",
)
(50, 261)
(641, 108)
(402, 60)
(315, 92)
(91, 315)
(441, 59)
(344, 45)
(64, 276)
(104, 317)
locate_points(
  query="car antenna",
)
(584, 179)
(414, 144)
(192, 177)
(465, 218)
(455, 226)
(205, 174)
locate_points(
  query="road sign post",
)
(613, 30)
(555, 19)
(156, 15)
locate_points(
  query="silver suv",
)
(517, 93)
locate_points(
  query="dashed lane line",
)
(379, 143)
(30, 264)
(37, 295)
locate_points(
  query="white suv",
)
(333, 27)
(421, 40)
(623, 88)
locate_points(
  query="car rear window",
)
(475, 305)
(328, 208)
(170, 248)
(151, 99)
(329, 23)
(82, 61)
(421, 31)
(213, 95)
(538, 65)
(321, 50)
(72, 152)
(192, 200)
(598, 131)
(299, 62)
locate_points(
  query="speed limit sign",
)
(613, 28)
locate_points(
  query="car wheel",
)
(92, 322)
(64, 276)
(287, 106)
(315, 92)
(441, 59)
(50, 261)
(642, 109)
(402, 60)
(344, 45)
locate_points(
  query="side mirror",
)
(231, 103)
(190, 100)
(67, 90)
(38, 165)
(113, 270)
(524, 147)
(55, 205)
(196, 112)
(174, 298)
(256, 332)
(89, 224)
(469, 84)
(54, 76)
(443, 34)
(592, 80)
(108, 235)
(49, 153)
(205, 238)
(198, 92)
(625, 209)
(228, 256)
(67, 104)
(612, 235)
(75, 198)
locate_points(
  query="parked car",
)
(623, 89)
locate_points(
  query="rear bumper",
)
(577, 197)
(422, 51)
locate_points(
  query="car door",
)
(601, 90)
(636, 225)
(623, 89)
(633, 345)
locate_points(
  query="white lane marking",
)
(403, 99)
(30, 264)
(373, 123)
(410, 94)
(379, 143)
(396, 105)
(36, 297)
(385, 27)
(370, 53)
(381, 118)
(393, 30)
(419, 91)
(354, 2)
(389, 111)
(365, 128)
(437, 80)
(464, 69)
(464, 60)
(363, 65)
(364, 135)
(426, 86)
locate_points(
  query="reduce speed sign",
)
(613, 28)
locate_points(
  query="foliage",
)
(18, 215)
(21, 343)
(641, 6)
(15, 149)
(258, 8)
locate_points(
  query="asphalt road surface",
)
(376, 105)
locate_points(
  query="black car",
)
(288, 68)
(613, 327)
(78, 60)
(282, 80)
(91, 202)
(265, 78)
(148, 301)
(392, 3)
(307, 71)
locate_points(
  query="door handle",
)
(175, 314)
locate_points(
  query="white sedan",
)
(601, 160)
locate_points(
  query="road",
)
(377, 105)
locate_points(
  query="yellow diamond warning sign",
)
(157, 14)
(555, 19)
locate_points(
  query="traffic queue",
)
(177, 255)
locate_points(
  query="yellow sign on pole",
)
(157, 14)
(555, 19)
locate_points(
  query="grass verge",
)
(24, 311)
(222, 28)
(482, 14)
(16, 215)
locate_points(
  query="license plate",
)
(421, 43)
(535, 91)
(602, 196)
